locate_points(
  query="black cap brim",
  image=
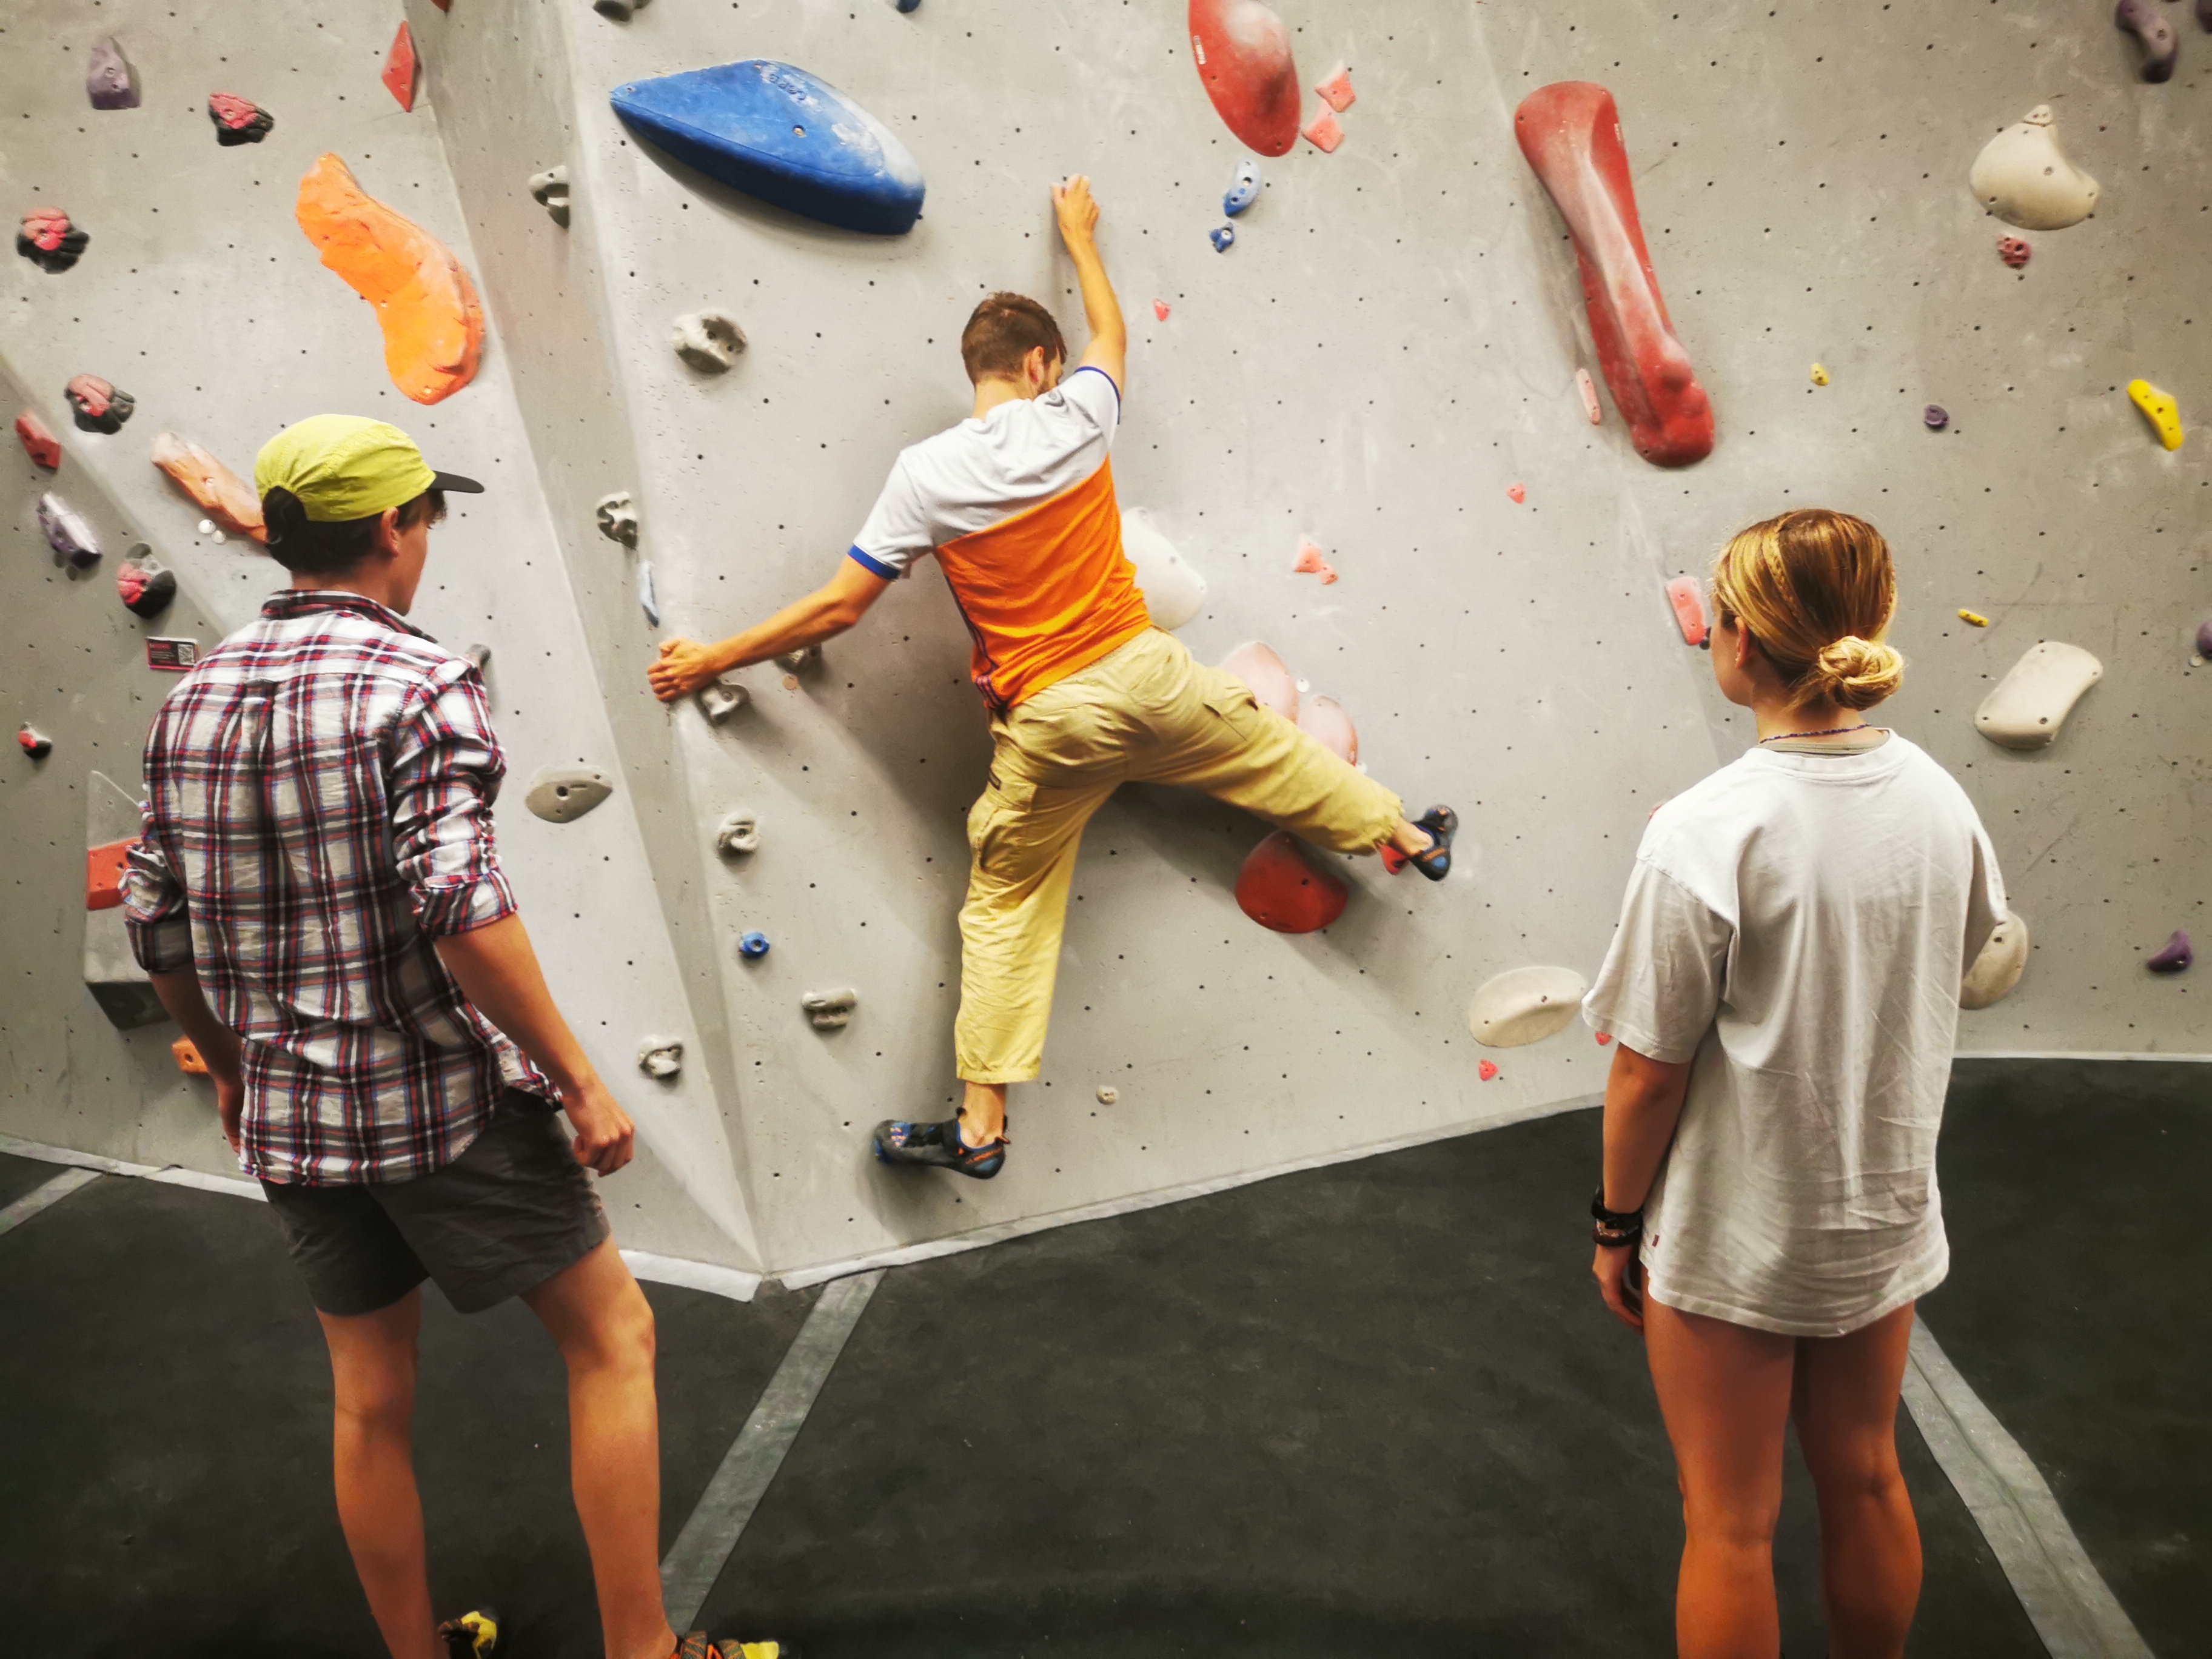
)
(455, 481)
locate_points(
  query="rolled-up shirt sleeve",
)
(445, 771)
(154, 914)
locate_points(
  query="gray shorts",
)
(504, 1217)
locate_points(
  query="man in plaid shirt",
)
(319, 900)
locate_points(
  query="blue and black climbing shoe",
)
(1443, 824)
(476, 1634)
(700, 1645)
(938, 1145)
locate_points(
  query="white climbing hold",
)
(718, 700)
(618, 517)
(660, 1056)
(550, 189)
(1174, 593)
(1267, 674)
(1108, 1094)
(829, 1009)
(1526, 1006)
(708, 340)
(2024, 177)
(799, 661)
(2031, 701)
(562, 794)
(737, 833)
(2003, 958)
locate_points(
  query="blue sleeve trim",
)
(1093, 369)
(889, 572)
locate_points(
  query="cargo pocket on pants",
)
(997, 811)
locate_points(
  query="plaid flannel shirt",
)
(318, 796)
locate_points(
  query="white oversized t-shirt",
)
(1798, 924)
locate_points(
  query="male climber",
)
(1084, 694)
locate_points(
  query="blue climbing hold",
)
(754, 946)
(1223, 239)
(1243, 189)
(778, 133)
(909, 5)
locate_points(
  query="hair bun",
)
(1858, 673)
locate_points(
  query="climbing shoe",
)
(939, 1147)
(1443, 824)
(475, 1635)
(700, 1645)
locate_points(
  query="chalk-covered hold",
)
(2174, 956)
(1242, 49)
(618, 516)
(2003, 958)
(2031, 701)
(660, 1056)
(97, 405)
(1268, 676)
(146, 585)
(829, 1009)
(549, 190)
(2024, 179)
(1243, 189)
(1526, 1006)
(753, 945)
(109, 81)
(562, 794)
(67, 533)
(1174, 593)
(709, 341)
(720, 699)
(737, 833)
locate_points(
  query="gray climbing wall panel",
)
(1391, 344)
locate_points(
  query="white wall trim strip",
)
(734, 1283)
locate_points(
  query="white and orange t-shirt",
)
(1019, 510)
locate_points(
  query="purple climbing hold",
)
(2204, 628)
(67, 533)
(2161, 45)
(2174, 957)
(1223, 239)
(109, 80)
(1937, 416)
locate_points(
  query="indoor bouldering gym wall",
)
(1935, 266)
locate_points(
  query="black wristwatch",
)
(1614, 1230)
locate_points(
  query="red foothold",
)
(1335, 90)
(1311, 563)
(36, 744)
(40, 445)
(2014, 251)
(399, 68)
(1281, 887)
(1160, 309)
(1689, 603)
(1518, 494)
(1488, 1069)
(1325, 133)
(1604, 1038)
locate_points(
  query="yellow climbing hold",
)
(1974, 616)
(1819, 375)
(2161, 411)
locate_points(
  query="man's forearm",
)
(820, 615)
(497, 970)
(1642, 1105)
(217, 1043)
(1102, 311)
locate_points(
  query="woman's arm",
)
(1643, 1103)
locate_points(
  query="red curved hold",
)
(1281, 887)
(1571, 133)
(1243, 56)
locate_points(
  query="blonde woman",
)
(1784, 994)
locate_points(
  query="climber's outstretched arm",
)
(685, 665)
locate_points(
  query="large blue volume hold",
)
(778, 133)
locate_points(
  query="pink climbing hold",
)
(2014, 251)
(1604, 1038)
(399, 67)
(1571, 133)
(1325, 133)
(1488, 1070)
(1329, 723)
(1688, 599)
(1517, 494)
(1311, 563)
(1281, 888)
(1588, 387)
(40, 445)
(1335, 90)
(2176, 957)
(1160, 309)
(1242, 51)
(36, 744)
(49, 240)
(1269, 678)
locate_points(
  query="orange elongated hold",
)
(222, 494)
(426, 305)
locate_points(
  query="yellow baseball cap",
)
(348, 466)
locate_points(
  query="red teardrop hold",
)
(1282, 888)
(399, 68)
(1243, 55)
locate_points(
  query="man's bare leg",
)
(603, 1326)
(372, 1468)
(1411, 838)
(984, 1113)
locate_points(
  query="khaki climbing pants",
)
(1145, 714)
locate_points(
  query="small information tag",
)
(175, 655)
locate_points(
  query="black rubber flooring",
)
(1372, 1410)
(2076, 1308)
(18, 1175)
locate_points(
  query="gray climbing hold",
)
(2003, 958)
(660, 1056)
(620, 10)
(737, 833)
(804, 660)
(562, 794)
(67, 533)
(829, 1009)
(647, 600)
(2024, 177)
(753, 946)
(109, 80)
(708, 341)
(1935, 417)
(480, 655)
(549, 190)
(618, 517)
(2161, 45)
(1243, 189)
(1526, 1006)
(2031, 701)
(718, 700)
(2175, 957)
(1223, 239)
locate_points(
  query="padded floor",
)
(18, 1176)
(2076, 1307)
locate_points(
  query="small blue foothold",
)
(753, 946)
(909, 5)
(1223, 239)
(1244, 189)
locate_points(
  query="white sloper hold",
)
(737, 833)
(2024, 177)
(1998, 967)
(562, 794)
(2031, 701)
(549, 190)
(1268, 676)
(720, 699)
(1174, 593)
(829, 1009)
(708, 341)
(660, 1056)
(1526, 1006)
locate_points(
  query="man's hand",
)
(605, 1138)
(1621, 1282)
(229, 1105)
(1071, 204)
(684, 666)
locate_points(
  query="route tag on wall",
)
(174, 655)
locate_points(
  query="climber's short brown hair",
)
(1004, 329)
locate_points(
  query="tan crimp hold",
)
(427, 307)
(219, 492)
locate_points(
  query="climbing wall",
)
(1383, 363)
